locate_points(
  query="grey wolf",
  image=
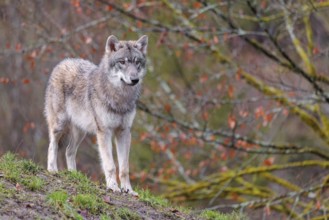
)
(82, 97)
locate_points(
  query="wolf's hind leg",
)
(76, 137)
(55, 133)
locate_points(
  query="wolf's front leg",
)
(104, 140)
(123, 140)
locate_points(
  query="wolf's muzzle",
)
(132, 82)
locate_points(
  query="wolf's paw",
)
(129, 191)
(113, 187)
(52, 169)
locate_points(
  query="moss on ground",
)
(27, 191)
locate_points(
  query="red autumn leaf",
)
(242, 144)
(215, 40)
(231, 121)
(192, 141)
(269, 161)
(235, 196)
(167, 107)
(28, 126)
(267, 119)
(197, 5)
(205, 116)
(263, 4)
(243, 113)
(4, 80)
(109, 8)
(75, 3)
(126, 6)
(315, 51)
(26, 81)
(259, 112)
(318, 205)
(238, 74)
(139, 24)
(230, 91)
(203, 78)
(267, 210)
(18, 47)
(223, 156)
(232, 153)
(143, 136)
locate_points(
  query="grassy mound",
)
(30, 192)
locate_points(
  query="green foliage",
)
(21, 171)
(126, 214)
(80, 181)
(66, 204)
(10, 167)
(28, 166)
(89, 202)
(105, 217)
(5, 193)
(213, 215)
(146, 196)
(58, 198)
(33, 183)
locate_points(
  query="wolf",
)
(82, 97)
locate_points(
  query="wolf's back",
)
(68, 76)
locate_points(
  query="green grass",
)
(33, 183)
(29, 167)
(105, 217)
(87, 195)
(60, 200)
(5, 193)
(57, 198)
(126, 214)
(214, 215)
(81, 182)
(150, 199)
(90, 202)
(10, 167)
(21, 171)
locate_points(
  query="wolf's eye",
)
(138, 62)
(122, 62)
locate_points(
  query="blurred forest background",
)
(234, 113)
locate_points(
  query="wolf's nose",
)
(134, 81)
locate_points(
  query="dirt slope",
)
(29, 192)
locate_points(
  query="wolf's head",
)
(124, 61)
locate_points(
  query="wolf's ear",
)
(142, 44)
(112, 44)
